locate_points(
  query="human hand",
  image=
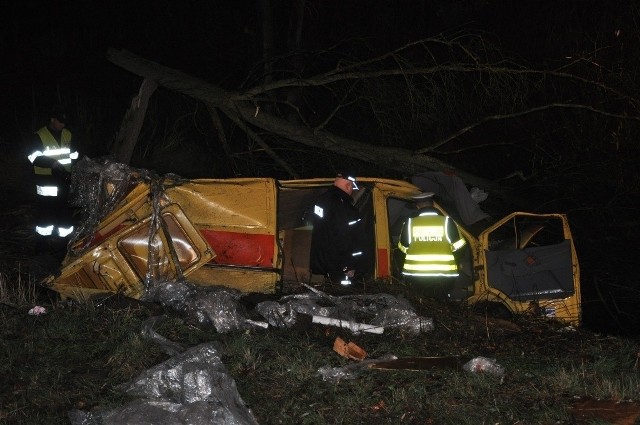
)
(350, 273)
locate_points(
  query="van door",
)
(529, 264)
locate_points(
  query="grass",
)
(76, 355)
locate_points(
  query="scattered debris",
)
(37, 311)
(419, 363)
(359, 313)
(378, 406)
(347, 324)
(191, 387)
(483, 365)
(348, 349)
(610, 411)
(350, 371)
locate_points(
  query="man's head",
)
(423, 199)
(57, 118)
(346, 181)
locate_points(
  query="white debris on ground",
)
(193, 386)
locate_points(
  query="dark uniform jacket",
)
(337, 237)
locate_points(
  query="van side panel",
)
(240, 249)
(237, 218)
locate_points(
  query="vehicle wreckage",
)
(251, 234)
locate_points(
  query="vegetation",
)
(75, 355)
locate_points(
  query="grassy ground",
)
(74, 356)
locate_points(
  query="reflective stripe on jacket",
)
(336, 241)
(60, 152)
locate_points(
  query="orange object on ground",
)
(348, 350)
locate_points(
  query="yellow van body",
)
(252, 234)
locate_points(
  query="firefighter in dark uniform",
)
(51, 153)
(430, 241)
(337, 247)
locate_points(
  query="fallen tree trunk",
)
(127, 136)
(232, 104)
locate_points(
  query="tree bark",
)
(127, 136)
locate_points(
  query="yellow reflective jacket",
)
(60, 152)
(429, 241)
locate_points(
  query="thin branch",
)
(345, 73)
(235, 117)
(219, 128)
(519, 114)
(332, 114)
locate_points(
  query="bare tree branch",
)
(496, 117)
(217, 124)
(473, 64)
(253, 136)
(392, 158)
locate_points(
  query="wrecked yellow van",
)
(251, 234)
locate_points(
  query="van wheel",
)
(492, 309)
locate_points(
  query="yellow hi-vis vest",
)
(62, 153)
(428, 246)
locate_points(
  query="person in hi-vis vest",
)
(51, 153)
(430, 241)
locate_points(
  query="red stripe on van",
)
(241, 249)
(383, 263)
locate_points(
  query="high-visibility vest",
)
(429, 246)
(60, 152)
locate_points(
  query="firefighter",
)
(430, 241)
(337, 250)
(51, 154)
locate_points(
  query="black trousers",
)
(53, 210)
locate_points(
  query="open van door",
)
(528, 263)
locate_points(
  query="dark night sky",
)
(51, 47)
(57, 50)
